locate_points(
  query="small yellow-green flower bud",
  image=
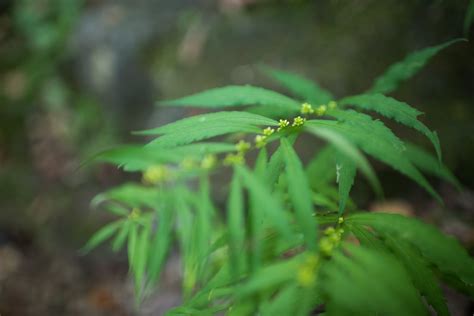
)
(134, 214)
(208, 162)
(306, 276)
(260, 141)
(329, 231)
(155, 174)
(282, 124)
(332, 105)
(242, 146)
(306, 108)
(268, 131)
(335, 238)
(340, 220)
(321, 110)
(234, 159)
(326, 246)
(298, 121)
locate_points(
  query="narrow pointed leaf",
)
(406, 68)
(234, 96)
(121, 237)
(101, 235)
(346, 172)
(160, 243)
(301, 87)
(394, 109)
(236, 225)
(300, 194)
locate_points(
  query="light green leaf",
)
(301, 87)
(121, 237)
(443, 251)
(429, 164)
(284, 303)
(300, 194)
(140, 258)
(206, 126)
(376, 140)
(160, 243)
(346, 172)
(368, 282)
(236, 226)
(234, 96)
(406, 68)
(333, 134)
(271, 276)
(321, 169)
(267, 202)
(101, 235)
(394, 109)
(130, 194)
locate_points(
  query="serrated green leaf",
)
(270, 276)
(236, 226)
(101, 235)
(301, 87)
(300, 194)
(443, 251)
(160, 243)
(234, 96)
(206, 126)
(266, 201)
(406, 68)
(284, 303)
(346, 172)
(376, 140)
(331, 133)
(321, 169)
(429, 164)
(130, 194)
(394, 109)
(121, 237)
(140, 258)
(368, 283)
(132, 244)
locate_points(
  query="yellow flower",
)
(306, 108)
(268, 131)
(260, 141)
(134, 214)
(321, 110)
(242, 146)
(156, 174)
(298, 121)
(282, 124)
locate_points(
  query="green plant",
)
(288, 240)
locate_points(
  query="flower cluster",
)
(307, 108)
(307, 271)
(331, 239)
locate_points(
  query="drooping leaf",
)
(443, 251)
(376, 140)
(301, 87)
(270, 276)
(429, 164)
(206, 126)
(140, 258)
(271, 206)
(321, 170)
(234, 96)
(406, 68)
(236, 226)
(121, 237)
(346, 172)
(300, 194)
(394, 109)
(325, 129)
(101, 235)
(421, 275)
(130, 194)
(368, 283)
(160, 243)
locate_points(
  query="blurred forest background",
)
(77, 76)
